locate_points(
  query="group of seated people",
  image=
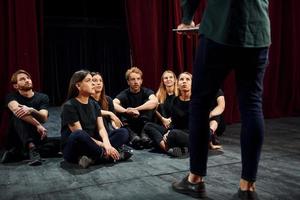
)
(96, 128)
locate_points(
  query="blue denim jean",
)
(213, 63)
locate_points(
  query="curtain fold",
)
(20, 30)
(156, 48)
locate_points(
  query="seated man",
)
(135, 106)
(28, 110)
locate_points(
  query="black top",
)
(179, 112)
(129, 99)
(107, 119)
(86, 114)
(215, 102)
(243, 23)
(164, 107)
(38, 101)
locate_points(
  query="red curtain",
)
(156, 48)
(20, 33)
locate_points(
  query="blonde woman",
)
(174, 140)
(167, 90)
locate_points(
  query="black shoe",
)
(125, 152)
(35, 158)
(12, 155)
(146, 141)
(136, 143)
(178, 152)
(85, 162)
(7, 157)
(247, 195)
(196, 190)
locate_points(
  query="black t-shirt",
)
(215, 102)
(179, 112)
(107, 119)
(38, 101)
(163, 108)
(129, 99)
(86, 114)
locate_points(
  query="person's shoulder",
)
(220, 93)
(123, 94)
(41, 95)
(94, 103)
(69, 103)
(108, 98)
(147, 90)
(92, 99)
(13, 94)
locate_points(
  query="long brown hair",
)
(76, 77)
(161, 93)
(102, 99)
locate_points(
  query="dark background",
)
(52, 39)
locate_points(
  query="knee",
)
(123, 134)
(78, 135)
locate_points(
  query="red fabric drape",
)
(20, 25)
(156, 48)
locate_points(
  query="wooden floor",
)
(149, 175)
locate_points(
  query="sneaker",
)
(196, 190)
(34, 157)
(247, 195)
(178, 152)
(85, 162)
(125, 152)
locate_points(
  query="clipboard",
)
(195, 29)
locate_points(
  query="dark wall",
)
(84, 35)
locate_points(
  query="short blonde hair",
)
(14, 77)
(133, 70)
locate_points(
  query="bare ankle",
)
(247, 185)
(193, 178)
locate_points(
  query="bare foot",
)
(214, 147)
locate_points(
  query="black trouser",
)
(135, 126)
(22, 133)
(176, 137)
(213, 63)
(80, 143)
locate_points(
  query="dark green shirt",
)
(243, 23)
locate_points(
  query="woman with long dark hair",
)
(84, 137)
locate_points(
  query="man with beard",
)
(28, 110)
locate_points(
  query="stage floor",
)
(149, 175)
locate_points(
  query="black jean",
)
(22, 133)
(176, 137)
(212, 65)
(80, 143)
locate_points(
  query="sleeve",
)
(122, 97)
(188, 10)
(148, 92)
(10, 97)
(44, 104)
(219, 93)
(69, 114)
(97, 108)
